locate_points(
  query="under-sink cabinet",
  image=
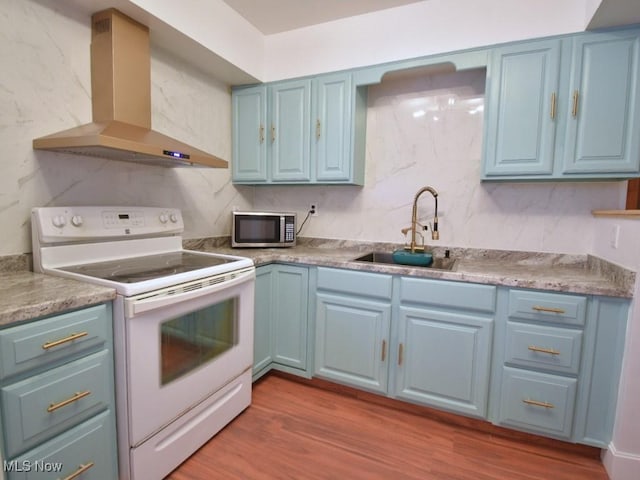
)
(281, 331)
(301, 131)
(57, 396)
(564, 108)
(420, 340)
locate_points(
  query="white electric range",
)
(182, 322)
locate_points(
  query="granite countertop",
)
(25, 295)
(584, 274)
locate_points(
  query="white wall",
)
(415, 30)
(623, 458)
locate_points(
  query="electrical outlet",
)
(615, 236)
(313, 208)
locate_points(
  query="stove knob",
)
(76, 220)
(59, 221)
(163, 218)
(174, 218)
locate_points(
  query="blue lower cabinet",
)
(352, 340)
(57, 397)
(424, 341)
(557, 364)
(538, 402)
(444, 359)
(281, 320)
(87, 450)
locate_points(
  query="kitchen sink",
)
(439, 263)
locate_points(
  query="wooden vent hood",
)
(121, 103)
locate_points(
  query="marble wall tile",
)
(46, 87)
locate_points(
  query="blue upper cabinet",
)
(564, 109)
(289, 131)
(604, 107)
(521, 109)
(302, 131)
(249, 134)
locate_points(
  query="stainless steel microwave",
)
(263, 229)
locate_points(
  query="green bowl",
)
(418, 259)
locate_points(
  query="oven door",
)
(183, 344)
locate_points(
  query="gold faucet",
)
(435, 235)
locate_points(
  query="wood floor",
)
(294, 430)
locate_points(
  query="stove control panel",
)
(58, 224)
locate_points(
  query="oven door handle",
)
(136, 306)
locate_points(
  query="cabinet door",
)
(333, 128)
(249, 163)
(290, 304)
(262, 320)
(604, 106)
(444, 359)
(352, 340)
(521, 110)
(289, 131)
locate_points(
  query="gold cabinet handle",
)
(384, 350)
(550, 351)
(318, 129)
(553, 106)
(76, 396)
(261, 133)
(70, 338)
(536, 403)
(81, 469)
(574, 110)
(273, 133)
(538, 308)
(400, 353)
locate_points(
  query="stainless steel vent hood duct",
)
(121, 102)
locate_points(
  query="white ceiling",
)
(275, 16)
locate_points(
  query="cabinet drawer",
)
(42, 342)
(90, 445)
(469, 296)
(36, 409)
(544, 347)
(353, 282)
(547, 307)
(537, 402)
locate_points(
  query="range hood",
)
(121, 103)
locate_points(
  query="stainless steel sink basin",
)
(439, 263)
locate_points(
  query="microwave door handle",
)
(137, 307)
(283, 222)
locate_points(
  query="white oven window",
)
(196, 338)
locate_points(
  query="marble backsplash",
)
(428, 131)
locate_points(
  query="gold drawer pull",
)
(70, 338)
(400, 353)
(536, 403)
(318, 131)
(538, 308)
(574, 110)
(550, 351)
(76, 396)
(553, 106)
(81, 469)
(261, 133)
(384, 350)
